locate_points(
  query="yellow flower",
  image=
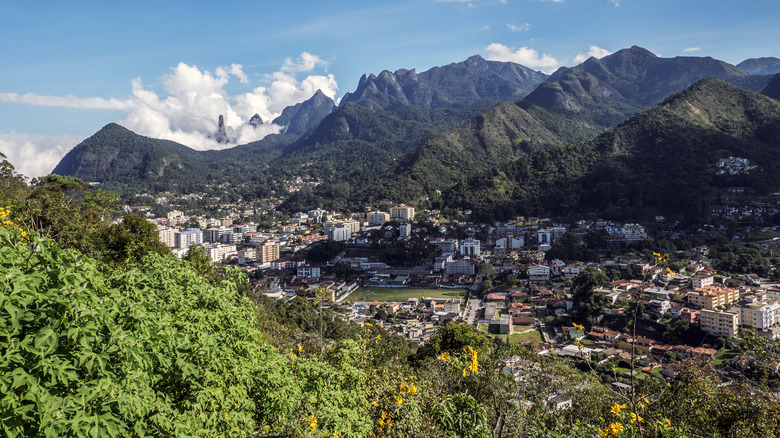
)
(313, 423)
(635, 417)
(335, 434)
(399, 401)
(412, 390)
(645, 400)
(615, 428)
(464, 372)
(300, 348)
(368, 324)
(668, 423)
(616, 408)
(578, 326)
(378, 336)
(444, 356)
(375, 404)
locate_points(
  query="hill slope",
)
(656, 161)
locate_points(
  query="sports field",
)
(389, 294)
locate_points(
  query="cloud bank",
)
(691, 49)
(524, 56)
(186, 110)
(36, 155)
(594, 51)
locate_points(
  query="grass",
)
(389, 294)
(724, 356)
(523, 338)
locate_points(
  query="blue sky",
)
(168, 70)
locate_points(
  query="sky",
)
(169, 69)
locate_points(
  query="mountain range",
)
(439, 135)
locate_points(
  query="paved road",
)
(472, 310)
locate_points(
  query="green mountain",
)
(600, 93)
(451, 86)
(772, 88)
(116, 154)
(657, 162)
(761, 66)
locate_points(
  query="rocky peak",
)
(255, 121)
(221, 136)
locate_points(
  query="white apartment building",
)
(718, 323)
(759, 314)
(701, 280)
(167, 236)
(339, 233)
(220, 252)
(470, 247)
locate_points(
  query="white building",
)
(405, 229)
(701, 280)
(220, 252)
(718, 323)
(469, 247)
(167, 236)
(633, 232)
(340, 233)
(188, 237)
(378, 217)
(538, 273)
(758, 314)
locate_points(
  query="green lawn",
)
(388, 294)
(523, 338)
(725, 355)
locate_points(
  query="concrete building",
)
(268, 251)
(308, 271)
(339, 233)
(757, 313)
(405, 229)
(710, 297)
(538, 273)
(167, 236)
(719, 323)
(633, 232)
(220, 252)
(403, 212)
(248, 255)
(188, 237)
(463, 266)
(702, 280)
(378, 217)
(470, 247)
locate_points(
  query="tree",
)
(588, 304)
(130, 240)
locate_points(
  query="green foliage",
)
(587, 302)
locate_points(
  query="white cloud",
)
(615, 2)
(522, 27)
(524, 55)
(35, 155)
(594, 51)
(186, 110)
(691, 49)
(66, 101)
(554, 1)
(485, 27)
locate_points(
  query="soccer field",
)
(389, 294)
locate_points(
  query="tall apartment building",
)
(702, 280)
(339, 233)
(470, 247)
(403, 212)
(405, 229)
(167, 236)
(758, 313)
(719, 323)
(188, 237)
(268, 251)
(377, 217)
(354, 226)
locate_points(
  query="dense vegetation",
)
(122, 339)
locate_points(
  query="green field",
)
(526, 337)
(389, 294)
